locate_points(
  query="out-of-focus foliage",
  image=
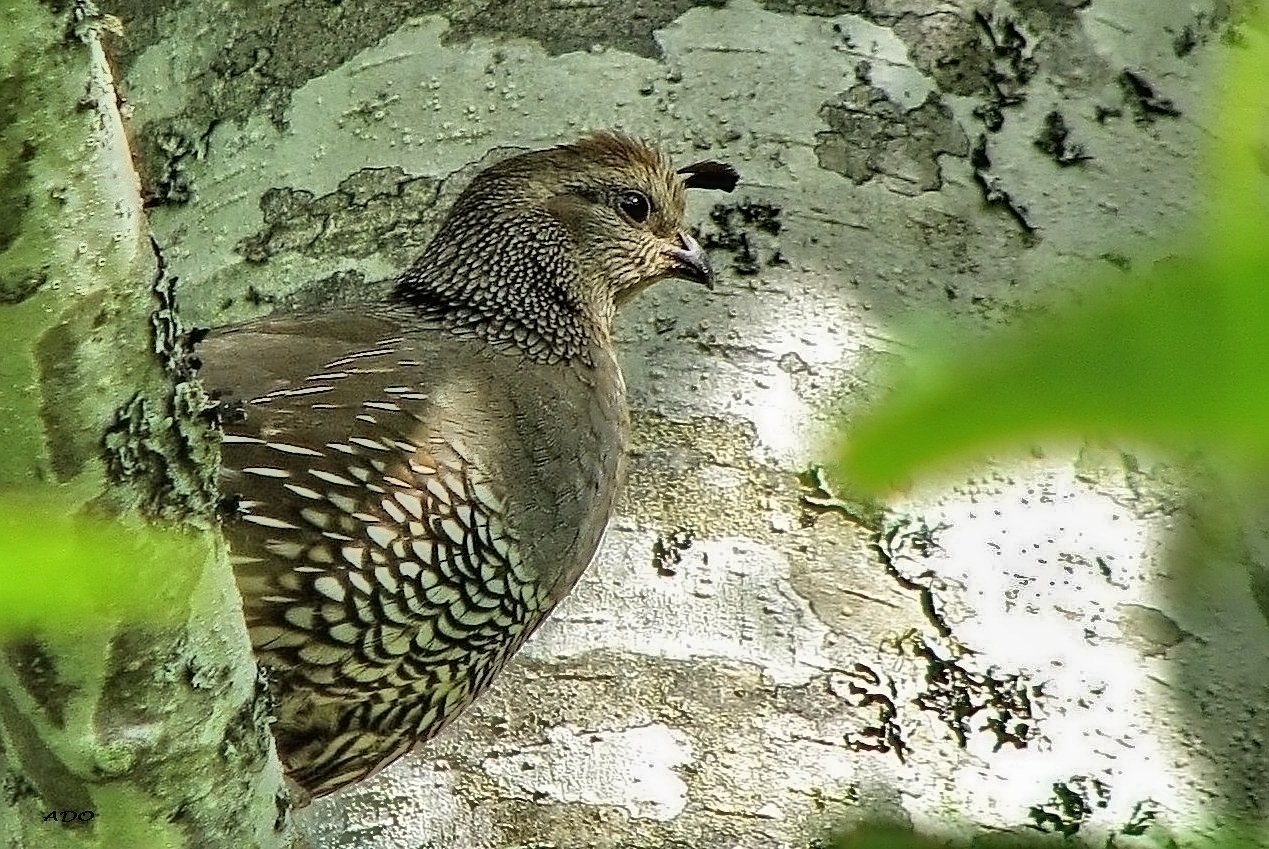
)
(1178, 356)
(890, 836)
(68, 573)
(884, 836)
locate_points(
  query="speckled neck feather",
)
(503, 269)
(506, 278)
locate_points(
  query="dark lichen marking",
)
(1223, 23)
(168, 152)
(891, 538)
(991, 115)
(16, 291)
(1055, 140)
(243, 745)
(15, 180)
(1184, 42)
(371, 211)
(568, 27)
(820, 8)
(869, 135)
(1102, 113)
(1009, 45)
(161, 446)
(35, 668)
(946, 46)
(1142, 99)
(994, 192)
(897, 540)
(44, 775)
(668, 548)
(135, 454)
(817, 496)
(1072, 804)
(915, 535)
(137, 658)
(1144, 814)
(1011, 69)
(1052, 13)
(1117, 260)
(872, 690)
(955, 694)
(170, 341)
(61, 379)
(734, 228)
(894, 539)
(272, 50)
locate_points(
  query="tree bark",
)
(749, 664)
(145, 730)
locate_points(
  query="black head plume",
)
(710, 174)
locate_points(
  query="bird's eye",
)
(635, 205)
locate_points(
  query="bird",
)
(412, 484)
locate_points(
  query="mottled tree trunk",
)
(748, 663)
(149, 732)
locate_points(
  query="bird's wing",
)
(249, 360)
(370, 540)
(395, 491)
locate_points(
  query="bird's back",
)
(409, 504)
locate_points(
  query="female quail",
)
(419, 481)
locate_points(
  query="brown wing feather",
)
(370, 544)
(252, 359)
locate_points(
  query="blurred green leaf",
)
(889, 836)
(1178, 356)
(885, 836)
(70, 573)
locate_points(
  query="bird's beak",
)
(689, 262)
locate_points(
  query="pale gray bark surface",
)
(744, 666)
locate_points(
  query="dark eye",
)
(635, 205)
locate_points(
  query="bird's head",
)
(581, 226)
(573, 229)
(623, 204)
